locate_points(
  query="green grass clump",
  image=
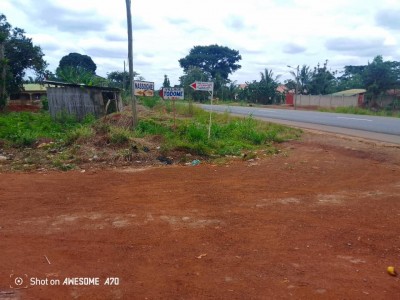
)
(229, 135)
(23, 129)
(79, 134)
(119, 136)
(150, 102)
(150, 127)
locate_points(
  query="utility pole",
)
(3, 65)
(124, 78)
(297, 84)
(130, 59)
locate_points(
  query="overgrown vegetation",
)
(65, 144)
(23, 129)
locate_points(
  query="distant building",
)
(360, 93)
(30, 95)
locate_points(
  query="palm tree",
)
(233, 90)
(268, 76)
(303, 79)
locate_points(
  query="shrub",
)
(80, 134)
(119, 136)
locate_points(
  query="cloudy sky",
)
(268, 33)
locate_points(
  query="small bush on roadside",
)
(150, 126)
(150, 102)
(45, 103)
(119, 136)
(80, 134)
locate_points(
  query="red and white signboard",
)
(173, 93)
(202, 86)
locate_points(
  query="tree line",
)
(203, 63)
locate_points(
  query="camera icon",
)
(18, 281)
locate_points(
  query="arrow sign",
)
(202, 86)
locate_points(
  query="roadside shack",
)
(81, 100)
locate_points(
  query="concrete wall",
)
(326, 101)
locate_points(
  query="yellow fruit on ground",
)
(391, 271)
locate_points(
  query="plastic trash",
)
(195, 162)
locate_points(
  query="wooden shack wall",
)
(76, 101)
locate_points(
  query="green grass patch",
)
(229, 135)
(23, 129)
(80, 134)
(119, 136)
(362, 111)
(150, 102)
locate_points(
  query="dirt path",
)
(320, 220)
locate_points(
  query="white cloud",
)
(268, 33)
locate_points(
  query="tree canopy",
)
(191, 75)
(166, 82)
(120, 79)
(380, 76)
(212, 59)
(77, 60)
(263, 91)
(19, 54)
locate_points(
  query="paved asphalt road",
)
(379, 128)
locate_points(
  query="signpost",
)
(143, 88)
(173, 94)
(208, 87)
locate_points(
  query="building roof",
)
(103, 88)
(352, 92)
(34, 87)
(282, 88)
(393, 92)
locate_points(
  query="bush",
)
(150, 102)
(119, 136)
(80, 134)
(45, 103)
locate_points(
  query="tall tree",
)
(116, 79)
(268, 76)
(305, 77)
(166, 82)
(380, 76)
(80, 75)
(17, 54)
(191, 75)
(322, 81)
(77, 60)
(233, 90)
(212, 59)
(263, 91)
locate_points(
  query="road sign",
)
(143, 88)
(173, 93)
(202, 86)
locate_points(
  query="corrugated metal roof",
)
(103, 88)
(34, 87)
(352, 92)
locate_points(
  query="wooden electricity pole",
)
(130, 59)
(3, 66)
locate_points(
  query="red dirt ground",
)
(18, 107)
(320, 220)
